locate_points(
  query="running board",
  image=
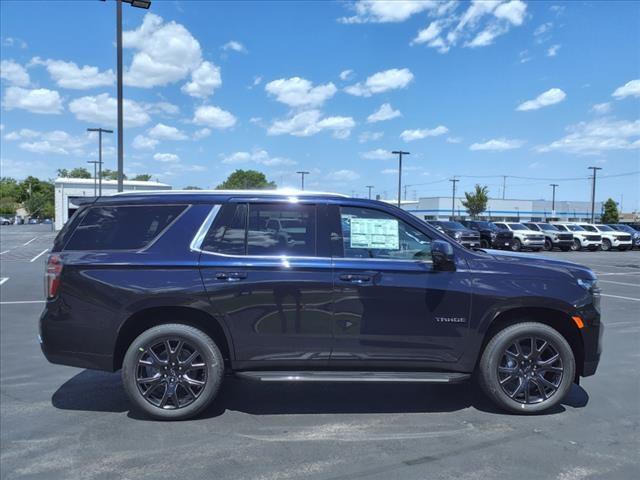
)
(343, 376)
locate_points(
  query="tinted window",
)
(532, 226)
(562, 228)
(575, 228)
(282, 229)
(122, 227)
(546, 226)
(227, 232)
(369, 233)
(605, 228)
(501, 226)
(452, 225)
(590, 228)
(517, 226)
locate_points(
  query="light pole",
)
(593, 192)
(453, 180)
(400, 153)
(302, 174)
(369, 187)
(553, 199)
(100, 132)
(145, 4)
(95, 176)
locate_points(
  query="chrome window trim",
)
(196, 243)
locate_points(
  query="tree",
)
(37, 197)
(111, 174)
(192, 187)
(476, 202)
(246, 180)
(610, 214)
(142, 177)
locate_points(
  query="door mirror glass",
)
(442, 256)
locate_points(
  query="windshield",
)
(605, 228)
(517, 226)
(575, 228)
(625, 228)
(546, 226)
(590, 228)
(487, 225)
(452, 225)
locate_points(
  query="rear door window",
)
(227, 234)
(282, 229)
(129, 227)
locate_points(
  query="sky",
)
(535, 91)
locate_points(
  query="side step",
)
(344, 376)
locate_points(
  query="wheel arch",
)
(150, 317)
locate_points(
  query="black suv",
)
(178, 289)
(490, 235)
(461, 234)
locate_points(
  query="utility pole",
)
(95, 176)
(369, 187)
(593, 192)
(302, 174)
(453, 181)
(504, 185)
(100, 132)
(400, 153)
(553, 199)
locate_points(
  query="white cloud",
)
(204, 80)
(385, 112)
(165, 53)
(166, 157)
(14, 73)
(260, 157)
(597, 136)
(103, 110)
(601, 108)
(377, 154)
(629, 89)
(14, 42)
(69, 75)
(497, 145)
(166, 132)
(56, 142)
(234, 46)
(381, 82)
(552, 51)
(550, 97)
(370, 136)
(162, 108)
(141, 142)
(310, 122)
(343, 176)
(346, 74)
(386, 11)
(213, 117)
(513, 11)
(454, 139)
(542, 29)
(429, 34)
(202, 133)
(38, 100)
(21, 134)
(300, 92)
(411, 135)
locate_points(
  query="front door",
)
(391, 308)
(263, 276)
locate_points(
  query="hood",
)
(527, 259)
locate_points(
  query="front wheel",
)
(548, 246)
(172, 371)
(527, 368)
(516, 245)
(606, 245)
(484, 244)
(576, 246)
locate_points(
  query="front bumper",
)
(533, 243)
(562, 243)
(591, 341)
(501, 242)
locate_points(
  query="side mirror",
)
(442, 256)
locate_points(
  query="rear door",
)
(392, 309)
(263, 275)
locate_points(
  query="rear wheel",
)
(606, 244)
(527, 368)
(576, 246)
(172, 371)
(516, 246)
(548, 246)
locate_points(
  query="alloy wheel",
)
(575, 246)
(171, 373)
(530, 370)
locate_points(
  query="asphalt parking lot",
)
(67, 423)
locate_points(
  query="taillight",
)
(52, 275)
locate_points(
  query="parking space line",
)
(27, 243)
(17, 302)
(621, 283)
(602, 274)
(3, 280)
(39, 255)
(618, 296)
(2, 253)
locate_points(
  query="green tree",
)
(610, 214)
(111, 174)
(246, 180)
(142, 177)
(9, 194)
(476, 202)
(37, 197)
(192, 187)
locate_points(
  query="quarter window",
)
(368, 233)
(227, 234)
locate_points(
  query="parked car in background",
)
(5, 221)
(581, 237)
(610, 238)
(33, 221)
(47, 221)
(623, 227)
(490, 235)
(553, 238)
(463, 235)
(522, 236)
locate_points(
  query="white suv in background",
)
(522, 236)
(581, 238)
(610, 238)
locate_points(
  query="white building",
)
(67, 190)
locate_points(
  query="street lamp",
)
(144, 4)
(100, 132)
(400, 153)
(593, 192)
(302, 174)
(369, 187)
(95, 176)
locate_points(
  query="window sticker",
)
(375, 233)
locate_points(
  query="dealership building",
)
(507, 210)
(68, 191)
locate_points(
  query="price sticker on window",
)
(375, 233)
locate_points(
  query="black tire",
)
(513, 378)
(516, 245)
(537, 249)
(576, 246)
(606, 245)
(565, 249)
(548, 245)
(185, 378)
(484, 244)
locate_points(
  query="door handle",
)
(355, 277)
(231, 276)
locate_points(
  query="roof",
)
(129, 183)
(281, 192)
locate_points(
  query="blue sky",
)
(536, 90)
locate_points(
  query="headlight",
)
(457, 234)
(588, 283)
(493, 235)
